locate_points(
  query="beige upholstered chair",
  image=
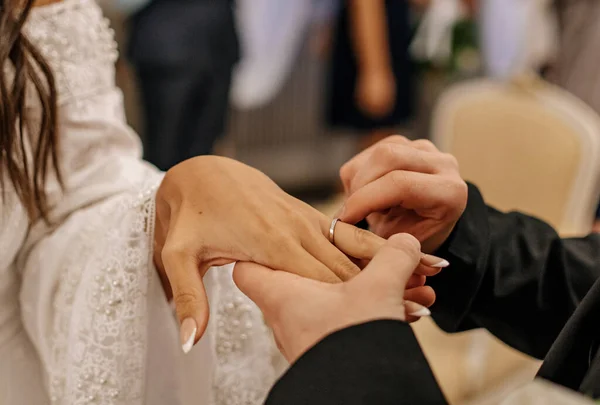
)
(531, 147)
(528, 145)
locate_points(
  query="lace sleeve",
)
(247, 360)
(84, 301)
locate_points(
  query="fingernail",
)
(421, 312)
(188, 334)
(434, 261)
(414, 309)
(340, 212)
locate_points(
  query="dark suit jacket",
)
(184, 33)
(509, 273)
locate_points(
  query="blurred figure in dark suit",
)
(184, 52)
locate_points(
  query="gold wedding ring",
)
(332, 230)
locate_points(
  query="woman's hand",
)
(211, 211)
(405, 186)
(301, 312)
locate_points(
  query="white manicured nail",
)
(188, 334)
(434, 261)
(421, 312)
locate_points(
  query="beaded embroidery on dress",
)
(84, 288)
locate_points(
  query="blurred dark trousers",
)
(183, 52)
(185, 111)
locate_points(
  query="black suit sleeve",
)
(513, 275)
(378, 362)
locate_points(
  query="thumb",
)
(189, 296)
(392, 266)
(266, 287)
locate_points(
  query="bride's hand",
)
(211, 211)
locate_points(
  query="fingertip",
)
(348, 213)
(434, 261)
(192, 308)
(416, 310)
(188, 332)
(192, 329)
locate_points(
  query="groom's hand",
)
(404, 186)
(302, 311)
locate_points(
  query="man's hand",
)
(302, 311)
(404, 186)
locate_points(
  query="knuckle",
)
(425, 144)
(174, 252)
(361, 236)
(184, 300)
(398, 179)
(450, 160)
(345, 171)
(345, 269)
(385, 152)
(396, 139)
(460, 187)
(460, 194)
(367, 242)
(347, 174)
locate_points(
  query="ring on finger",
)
(332, 230)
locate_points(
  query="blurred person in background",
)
(517, 37)
(370, 79)
(183, 52)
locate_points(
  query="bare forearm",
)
(369, 34)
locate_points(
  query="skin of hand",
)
(211, 211)
(302, 311)
(406, 186)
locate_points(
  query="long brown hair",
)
(28, 171)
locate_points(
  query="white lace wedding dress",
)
(83, 319)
